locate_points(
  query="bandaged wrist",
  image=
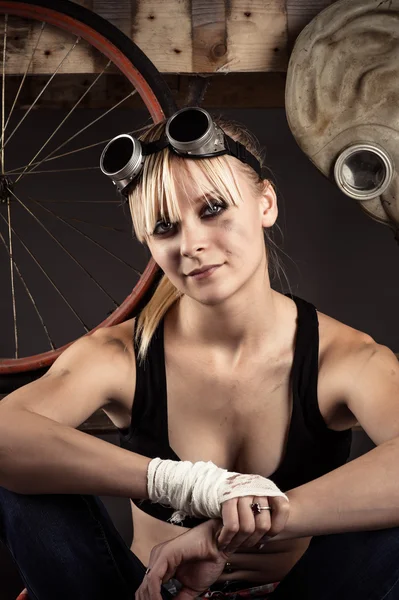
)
(199, 489)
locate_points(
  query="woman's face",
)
(215, 249)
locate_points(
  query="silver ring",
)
(148, 570)
(256, 508)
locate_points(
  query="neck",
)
(243, 321)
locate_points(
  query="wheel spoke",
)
(46, 275)
(116, 229)
(33, 172)
(76, 201)
(89, 238)
(62, 122)
(65, 250)
(84, 128)
(41, 92)
(10, 251)
(18, 169)
(3, 92)
(23, 79)
(28, 292)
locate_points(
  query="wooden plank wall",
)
(249, 39)
(212, 36)
(179, 36)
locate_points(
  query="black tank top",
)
(311, 449)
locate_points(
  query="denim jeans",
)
(67, 548)
(347, 566)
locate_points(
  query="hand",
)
(244, 529)
(23, 595)
(193, 558)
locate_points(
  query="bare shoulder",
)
(337, 338)
(97, 371)
(107, 350)
(115, 344)
(345, 355)
(116, 340)
(340, 344)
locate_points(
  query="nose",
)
(193, 240)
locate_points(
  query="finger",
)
(263, 522)
(169, 573)
(143, 593)
(164, 568)
(153, 584)
(140, 594)
(279, 515)
(159, 564)
(230, 523)
(246, 524)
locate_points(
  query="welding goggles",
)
(190, 133)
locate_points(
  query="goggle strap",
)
(240, 152)
(153, 147)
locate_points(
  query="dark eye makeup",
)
(210, 209)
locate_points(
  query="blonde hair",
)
(154, 197)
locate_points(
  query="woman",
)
(224, 369)
(58, 533)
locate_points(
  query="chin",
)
(212, 298)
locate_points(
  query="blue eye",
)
(163, 227)
(214, 209)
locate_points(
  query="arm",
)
(40, 449)
(364, 493)
(42, 453)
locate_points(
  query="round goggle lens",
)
(117, 156)
(188, 126)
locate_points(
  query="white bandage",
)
(199, 489)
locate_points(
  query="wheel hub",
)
(6, 189)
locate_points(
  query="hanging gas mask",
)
(342, 101)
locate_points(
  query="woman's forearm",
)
(41, 456)
(361, 495)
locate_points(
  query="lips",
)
(201, 270)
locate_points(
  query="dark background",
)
(334, 255)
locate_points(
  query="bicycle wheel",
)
(68, 260)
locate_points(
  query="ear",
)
(268, 204)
